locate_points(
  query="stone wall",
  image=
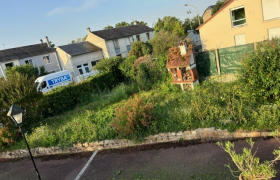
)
(198, 134)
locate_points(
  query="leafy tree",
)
(121, 24)
(52, 45)
(193, 23)
(108, 27)
(27, 69)
(170, 24)
(163, 41)
(139, 23)
(218, 6)
(139, 49)
(79, 40)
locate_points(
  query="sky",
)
(25, 22)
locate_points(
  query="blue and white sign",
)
(58, 80)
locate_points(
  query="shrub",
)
(127, 67)
(259, 75)
(108, 64)
(66, 98)
(7, 137)
(26, 69)
(139, 49)
(248, 165)
(20, 89)
(132, 118)
(43, 71)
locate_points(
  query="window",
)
(138, 37)
(128, 44)
(272, 33)
(47, 59)
(148, 36)
(9, 64)
(93, 63)
(240, 39)
(83, 69)
(238, 16)
(43, 85)
(117, 46)
(271, 9)
(29, 62)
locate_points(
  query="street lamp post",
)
(196, 10)
(189, 12)
(16, 114)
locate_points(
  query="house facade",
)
(241, 22)
(207, 13)
(117, 41)
(36, 55)
(79, 58)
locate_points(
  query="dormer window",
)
(238, 16)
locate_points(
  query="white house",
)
(37, 55)
(117, 41)
(79, 58)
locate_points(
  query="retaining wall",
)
(198, 134)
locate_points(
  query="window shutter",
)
(275, 32)
(271, 9)
(240, 40)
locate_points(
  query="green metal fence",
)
(230, 58)
(206, 63)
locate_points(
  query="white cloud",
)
(86, 5)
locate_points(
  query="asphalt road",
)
(204, 161)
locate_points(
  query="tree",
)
(139, 23)
(163, 41)
(139, 49)
(52, 45)
(193, 23)
(121, 24)
(170, 24)
(108, 27)
(79, 40)
(218, 6)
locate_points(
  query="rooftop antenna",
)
(4, 46)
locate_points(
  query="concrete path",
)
(164, 162)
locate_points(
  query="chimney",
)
(48, 42)
(88, 30)
(41, 41)
(183, 45)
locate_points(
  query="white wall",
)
(85, 58)
(16, 63)
(122, 43)
(39, 61)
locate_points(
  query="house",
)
(241, 22)
(195, 37)
(37, 55)
(181, 64)
(117, 41)
(79, 58)
(207, 13)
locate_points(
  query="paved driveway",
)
(204, 161)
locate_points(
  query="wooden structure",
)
(181, 64)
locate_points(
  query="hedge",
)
(66, 98)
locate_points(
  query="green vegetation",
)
(248, 165)
(218, 6)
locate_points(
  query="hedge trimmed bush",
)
(66, 98)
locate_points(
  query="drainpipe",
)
(3, 71)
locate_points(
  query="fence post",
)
(218, 61)
(255, 46)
